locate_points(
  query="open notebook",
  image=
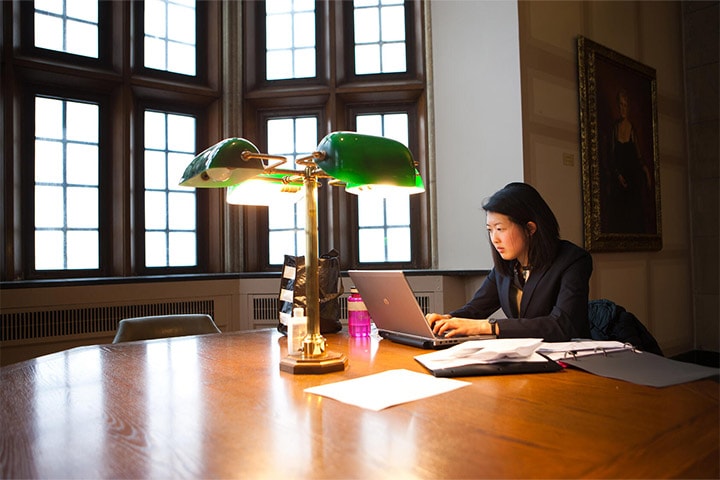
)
(396, 312)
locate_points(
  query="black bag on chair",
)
(292, 291)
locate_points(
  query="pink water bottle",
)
(358, 316)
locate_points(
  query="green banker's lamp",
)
(364, 164)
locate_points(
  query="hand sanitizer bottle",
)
(297, 330)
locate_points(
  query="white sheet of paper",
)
(385, 389)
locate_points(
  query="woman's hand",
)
(434, 317)
(447, 326)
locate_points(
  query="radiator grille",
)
(266, 308)
(100, 319)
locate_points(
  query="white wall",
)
(475, 99)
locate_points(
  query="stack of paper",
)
(489, 357)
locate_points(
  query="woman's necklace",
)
(525, 272)
(522, 273)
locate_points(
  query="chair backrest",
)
(609, 321)
(164, 326)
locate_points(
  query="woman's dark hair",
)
(523, 204)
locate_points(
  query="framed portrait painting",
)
(619, 151)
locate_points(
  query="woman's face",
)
(509, 239)
(623, 105)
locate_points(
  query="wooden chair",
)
(164, 326)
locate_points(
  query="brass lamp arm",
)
(248, 155)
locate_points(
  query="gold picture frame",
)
(619, 151)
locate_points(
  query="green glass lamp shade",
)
(222, 165)
(265, 189)
(387, 190)
(359, 159)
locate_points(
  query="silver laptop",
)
(396, 312)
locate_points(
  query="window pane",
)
(170, 41)
(398, 244)
(156, 249)
(66, 184)
(304, 63)
(69, 26)
(398, 210)
(83, 249)
(372, 245)
(367, 25)
(181, 133)
(393, 58)
(379, 37)
(170, 210)
(82, 39)
(155, 211)
(51, 6)
(370, 211)
(395, 126)
(82, 164)
(279, 31)
(49, 207)
(281, 136)
(367, 59)
(155, 54)
(393, 23)
(81, 9)
(281, 243)
(181, 23)
(181, 211)
(49, 250)
(290, 39)
(155, 130)
(178, 55)
(280, 219)
(182, 249)
(155, 170)
(293, 138)
(49, 166)
(279, 64)
(82, 122)
(49, 121)
(82, 208)
(175, 168)
(384, 223)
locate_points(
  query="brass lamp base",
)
(324, 363)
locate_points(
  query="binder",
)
(624, 362)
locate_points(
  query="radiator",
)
(87, 320)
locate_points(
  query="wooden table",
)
(219, 406)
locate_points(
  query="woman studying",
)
(539, 280)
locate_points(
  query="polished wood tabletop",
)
(218, 406)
